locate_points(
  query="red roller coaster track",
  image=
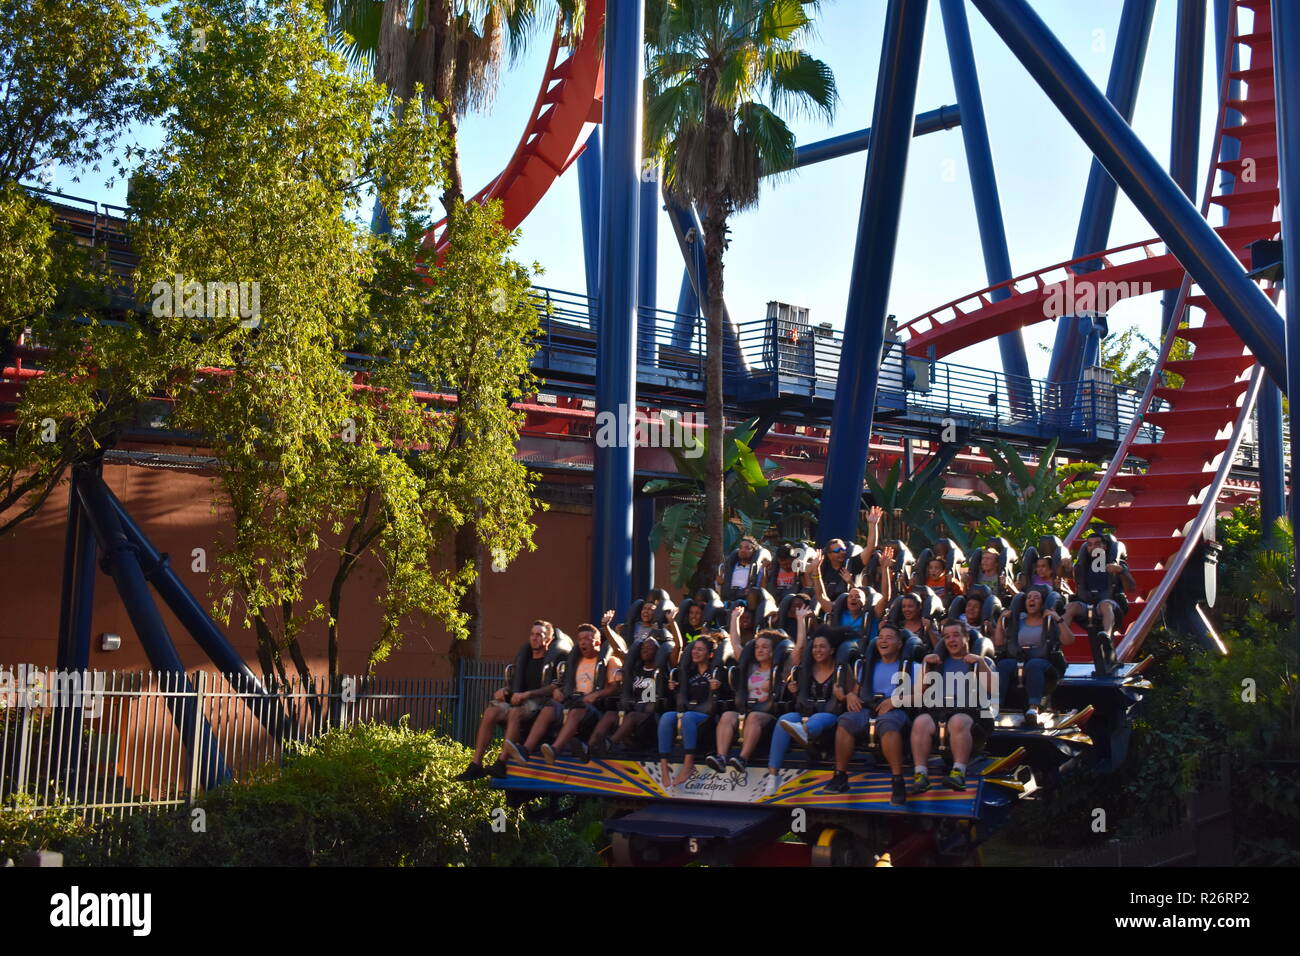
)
(1175, 498)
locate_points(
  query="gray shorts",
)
(857, 722)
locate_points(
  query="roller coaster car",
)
(566, 670)
(762, 558)
(738, 674)
(715, 611)
(556, 652)
(762, 607)
(663, 602)
(904, 565)
(990, 604)
(1049, 546)
(785, 610)
(841, 604)
(947, 550)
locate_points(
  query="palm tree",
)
(716, 71)
(452, 48)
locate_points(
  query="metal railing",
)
(106, 744)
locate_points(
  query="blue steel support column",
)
(1189, 60)
(611, 569)
(1286, 78)
(1198, 247)
(647, 271)
(121, 561)
(984, 188)
(873, 266)
(589, 213)
(1076, 341)
(79, 553)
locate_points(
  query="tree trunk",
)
(715, 225)
(471, 602)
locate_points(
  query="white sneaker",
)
(797, 730)
(770, 783)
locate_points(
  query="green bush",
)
(23, 829)
(365, 795)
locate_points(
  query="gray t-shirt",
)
(1030, 637)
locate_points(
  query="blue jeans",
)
(817, 725)
(1036, 669)
(691, 723)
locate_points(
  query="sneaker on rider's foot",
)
(920, 783)
(839, 783)
(580, 751)
(797, 730)
(1031, 717)
(715, 763)
(770, 783)
(474, 771)
(897, 791)
(955, 780)
(514, 752)
(497, 770)
(738, 764)
(548, 753)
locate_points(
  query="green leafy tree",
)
(682, 524)
(718, 72)
(1025, 503)
(70, 81)
(270, 148)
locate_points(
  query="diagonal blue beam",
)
(1075, 336)
(1286, 79)
(1198, 247)
(846, 144)
(873, 267)
(984, 189)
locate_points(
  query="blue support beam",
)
(1198, 247)
(686, 224)
(1189, 69)
(611, 574)
(846, 144)
(122, 562)
(77, 604)
(647, 267)
(589, 212)
(984, 188)
(873, 267)
(1286, 78)
(1077, 342)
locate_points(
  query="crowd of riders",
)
(804, 647)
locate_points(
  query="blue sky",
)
(797, 246)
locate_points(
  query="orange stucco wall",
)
(176, 510)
